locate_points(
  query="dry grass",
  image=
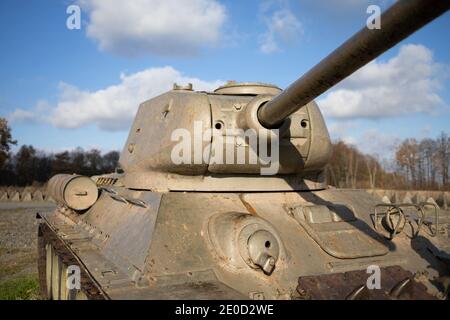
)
(18, 255)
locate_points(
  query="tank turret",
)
(168, 147)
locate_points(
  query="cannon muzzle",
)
(398, 22)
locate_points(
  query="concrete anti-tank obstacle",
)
(15, 196)
(38, 196)
(4, 196)
(419, 197)
(431, 200)
(385, 199)
(396, 197)
(407, 198)
(11, 190)
(26, 196)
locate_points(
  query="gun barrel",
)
(398, 22)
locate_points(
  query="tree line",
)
(29, 166)
(420, 164)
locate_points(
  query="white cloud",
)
(381, 143)
(114, 107)
(21, 115)
(340, 129)
(407, 83)
(30, 116)
(283, 26)
(165, 27)
(374, 141)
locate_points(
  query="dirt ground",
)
(18, 243)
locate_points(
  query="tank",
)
(222, 195)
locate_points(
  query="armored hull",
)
(180, 222)
(174, 246)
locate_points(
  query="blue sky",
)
(64, 88)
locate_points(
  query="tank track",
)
(47, 236)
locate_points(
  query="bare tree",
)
(372, 165)
(443, 156)
(6, 141)
(428, 151)
(407, 158)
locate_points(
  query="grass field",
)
(18, 254)
(20, 288)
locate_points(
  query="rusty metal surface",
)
(183, 262)
(102, 280)
(342, 239)
(128, 226)
(199, 285)
(396, 283)
(303, 150)
(400, 21)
